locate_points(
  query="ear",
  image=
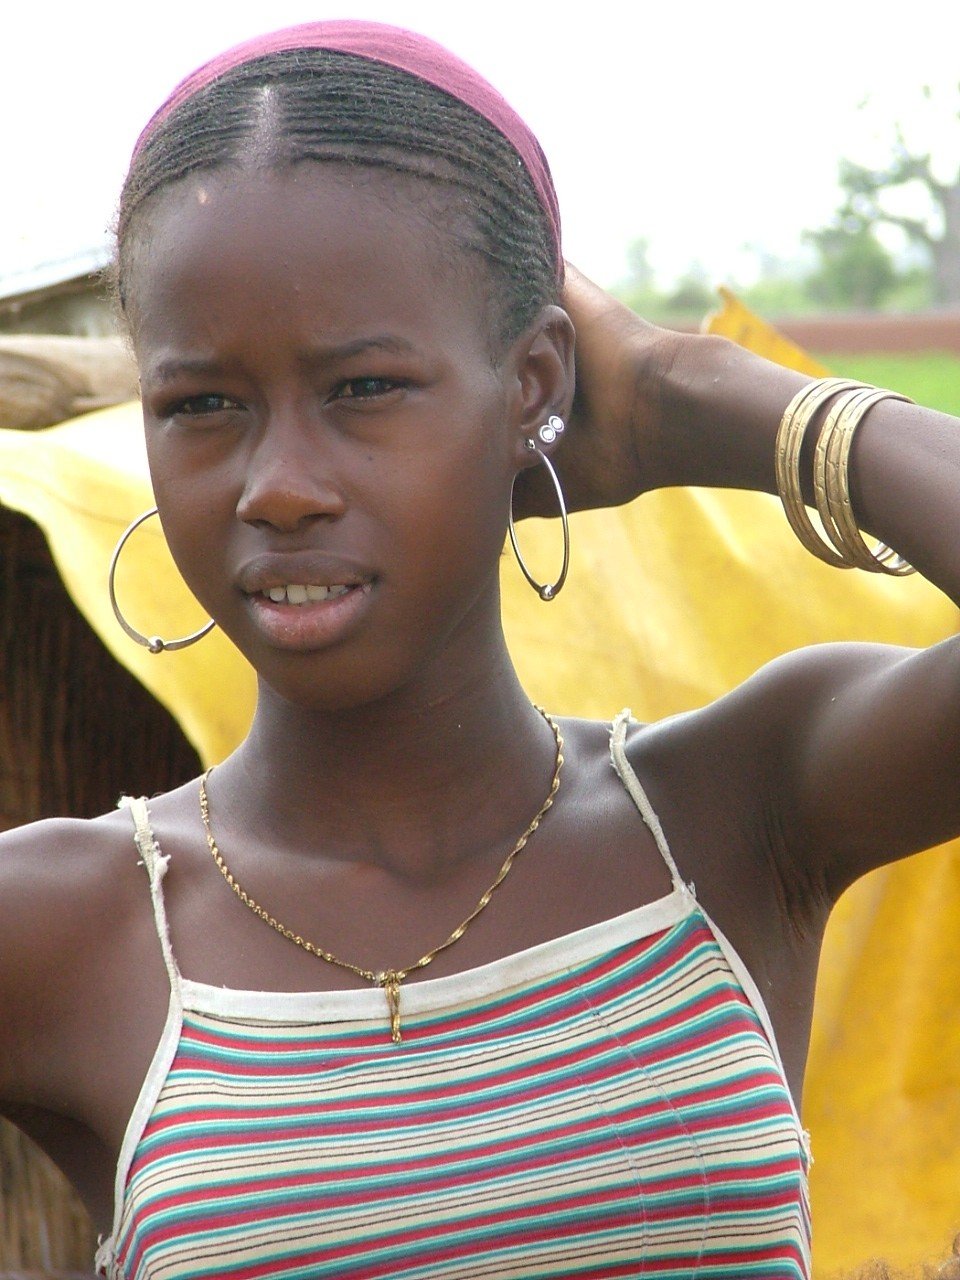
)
(540, 367)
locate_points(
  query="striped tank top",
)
(607, 1104)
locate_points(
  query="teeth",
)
(301, 593)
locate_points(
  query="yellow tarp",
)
(670, 601)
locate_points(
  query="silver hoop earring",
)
(154, 643)
(546, 590)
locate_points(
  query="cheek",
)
(195, 464)
(461, 499)
(455, 563)
(196, 510)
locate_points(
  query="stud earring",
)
(545, 590)
(552, 428)
(154, 643)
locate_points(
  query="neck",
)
(414, 781)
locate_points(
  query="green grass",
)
(930, 379)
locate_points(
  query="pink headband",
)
(405, 50)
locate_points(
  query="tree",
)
(693, 292)
(689, 298)
(867, 201)
(640, 272)
(855, 270)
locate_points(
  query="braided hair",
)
(315, 104)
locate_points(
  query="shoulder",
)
(727, 779)
(64, 854)
(66, 887)
(71, 872)
(59, 875)
(63, 857)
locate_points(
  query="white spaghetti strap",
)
(105, 1262)
(156, 864)
(618, 757)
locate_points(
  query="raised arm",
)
(851, 750)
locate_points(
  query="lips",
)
(303, 601)
(302, 576)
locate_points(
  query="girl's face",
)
(331, 440)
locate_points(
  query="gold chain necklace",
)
(388, 979)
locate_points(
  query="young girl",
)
(415, 984)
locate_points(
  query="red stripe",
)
(672, 1114)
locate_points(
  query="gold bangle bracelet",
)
(789, 443)
(825, 472)
(837, 511)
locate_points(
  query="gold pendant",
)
(390, 981)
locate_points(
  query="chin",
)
(327, 684)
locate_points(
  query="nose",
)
(289, 480)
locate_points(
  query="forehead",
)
(310, 247)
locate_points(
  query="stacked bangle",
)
(843, 545)
(793, 428)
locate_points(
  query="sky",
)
(712, 131)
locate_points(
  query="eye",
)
(202, 406)
(366, 388)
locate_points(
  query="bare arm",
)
(851, 748)
(68, 904)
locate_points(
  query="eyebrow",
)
(323, 353)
